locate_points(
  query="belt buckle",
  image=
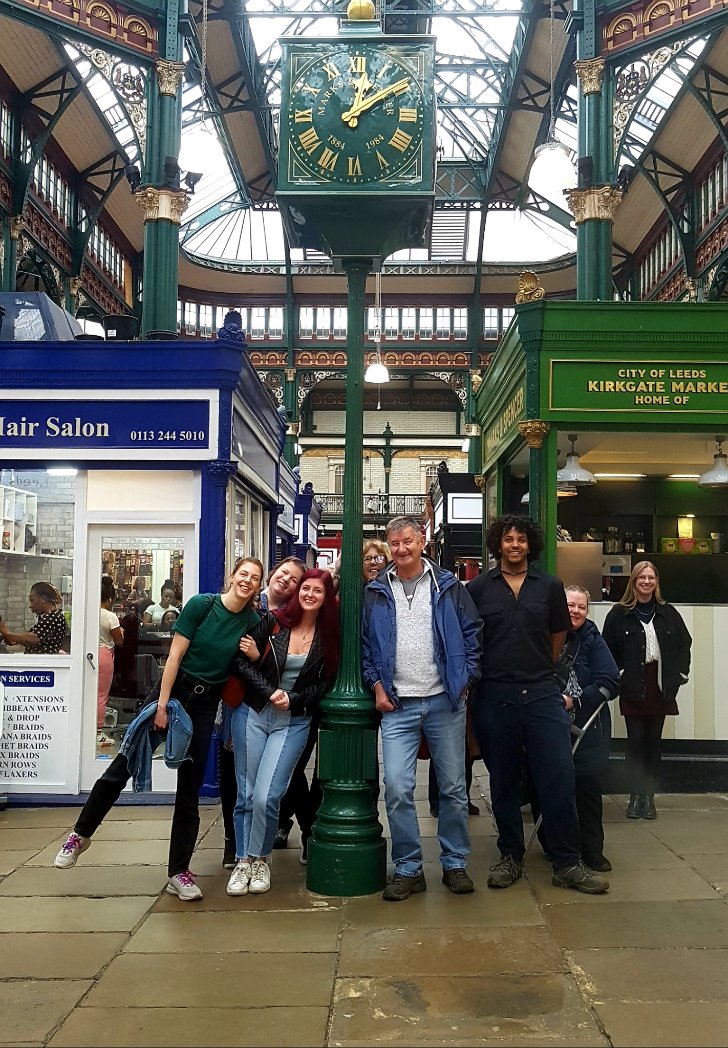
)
(199, 689)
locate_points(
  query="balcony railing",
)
(375, 506)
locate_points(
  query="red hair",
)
(327, 620)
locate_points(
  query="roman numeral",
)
(331, 71)
(327, 160)
(383, 162)
(358, 63)
(400, 140)
(311, 90)
(306, 115)
(354, 165)
(407, 115)
(309, 140)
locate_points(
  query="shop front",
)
(599, 420)
(148, 470)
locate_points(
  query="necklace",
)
(504, 572)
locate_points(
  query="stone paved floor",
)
(97, 956)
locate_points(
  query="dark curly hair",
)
(508, 522)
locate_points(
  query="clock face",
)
(355, 116)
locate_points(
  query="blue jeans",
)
(444, 730)
(267, 746)
(508, 732)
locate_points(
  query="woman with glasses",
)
(375, 556)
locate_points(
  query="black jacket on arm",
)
(625, 637)
(263, 677)
(598, 677)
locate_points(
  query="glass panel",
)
(142, 578)
(240, 526)
(36, 547)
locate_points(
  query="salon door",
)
(148, 573)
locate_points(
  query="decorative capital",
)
(162, 203)
(590, 72)
(293, 428)
(220, 471)
(290, 374)
(169, 76)
(479, 481)
(529, 288)
(476, 379)
(472, 430)
(74, 285)
(596, 203)
(534, 430)
(17, 225)
(691, 289)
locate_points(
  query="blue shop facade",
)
(156, 464)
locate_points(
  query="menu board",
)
(34, 726)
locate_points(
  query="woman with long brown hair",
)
(651, 646)
(300, 654)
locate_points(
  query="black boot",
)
(228, 856)
(634, 808)
(649, 811)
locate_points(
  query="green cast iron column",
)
(161, 197)
(290, 402)
(347, 853)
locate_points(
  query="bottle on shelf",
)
(640, 548)
(628, 542)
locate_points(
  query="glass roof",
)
(474, 40)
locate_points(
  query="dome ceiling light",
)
(573, 472)
(717, 475)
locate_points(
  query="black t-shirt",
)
(517, 663)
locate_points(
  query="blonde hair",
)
(630, 597)
(381, 547)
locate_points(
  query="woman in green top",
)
(205, 640)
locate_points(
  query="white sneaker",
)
(259, 877)
(69, 853)
(183, 885)
(239, 879)
(103, 740)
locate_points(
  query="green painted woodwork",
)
(347, 853)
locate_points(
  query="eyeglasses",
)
(374, 560)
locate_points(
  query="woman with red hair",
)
(299, 642)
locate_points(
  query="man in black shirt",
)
(519, 707)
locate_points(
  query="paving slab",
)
(111, 853)
(32, 1009)
(217, 980)
(446, 1010)
(714, 868)
(701, 832)
(134, 830)
(57, 955)
(392, 951)
(27, 818)
(73, 915)
(11, 860)
(670, 1025)
(650, 925)
(631, 885)
(33, 838)
(442, 909)
(171, 1027)
(92, 881)
(316, 931)
(644, 975)
(286, 893)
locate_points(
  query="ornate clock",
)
(357, 115)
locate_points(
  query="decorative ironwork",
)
(534, 430)
(117, 25)
(631, 82)
(529, 288)
(169, 76)
(596, 203)
(379, 505)
(272, 381)
(590, 72)
(16, 226)
(128, 82)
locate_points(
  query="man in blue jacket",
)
(421, 654)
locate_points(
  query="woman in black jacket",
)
(651, 646)
(299, 643)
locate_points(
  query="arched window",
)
(339, 479)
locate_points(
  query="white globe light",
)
(376, 372)
(552, 171)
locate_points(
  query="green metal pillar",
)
(347, 853)
(541, 441)
(387, 462)
(290, 401)
(160, 196)
(9, 233)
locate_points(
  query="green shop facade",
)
(639, 391)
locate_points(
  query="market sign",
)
(638, 386)
(505, 422)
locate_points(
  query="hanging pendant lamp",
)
(717, 475)
(552, 170)
(377, 371)
(573, 472)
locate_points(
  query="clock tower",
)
(356, 179)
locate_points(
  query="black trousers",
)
(190, 776)
(228, 791)
(644, 752)
(589, 808)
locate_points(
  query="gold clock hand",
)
(351, 116)
(363, 83)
